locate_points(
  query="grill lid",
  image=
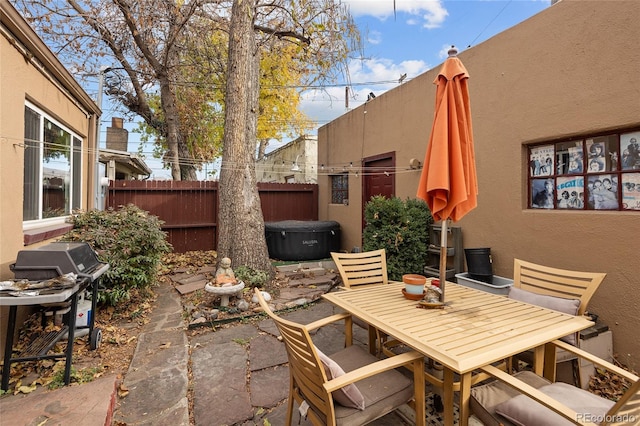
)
(59, 258)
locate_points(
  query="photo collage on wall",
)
(595, 173)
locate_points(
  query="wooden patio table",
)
(474, 329)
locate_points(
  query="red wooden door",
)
(379, 178)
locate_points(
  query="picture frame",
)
(541, 161)
(630, 191)
(569, 157)
(630, 151)
(570, 192)
(542, 193)
(602, 191)
(602, 154)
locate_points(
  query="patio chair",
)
(511, 399)
(370, 388)
(365, 268)
(556, 282)
(560, 289)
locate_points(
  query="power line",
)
(491, 22)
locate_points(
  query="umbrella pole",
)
(443, 258)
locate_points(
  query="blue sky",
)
(413, 41)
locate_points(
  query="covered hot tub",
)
(302, 240)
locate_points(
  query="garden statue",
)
(226, 284)
(224, 273)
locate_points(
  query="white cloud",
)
(367, 76)
(374, 37)
(430, 14)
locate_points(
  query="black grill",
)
(59, 258)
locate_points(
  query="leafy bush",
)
(402, 229)
(130, 240)
(250, 276)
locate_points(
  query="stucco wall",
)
(21, 81)
(573, 69)
(48, 86)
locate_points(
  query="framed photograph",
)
(631, 191)
(630, 158)
(602, 154)
(569, 158)
(570, 192)
(541, 161)
(542, 193)
(603, 192)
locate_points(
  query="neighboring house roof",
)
(130, 163)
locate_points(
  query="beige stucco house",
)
(559, 82)
(295, 162)
(48, 127)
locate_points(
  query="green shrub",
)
(130, 240)
(402, 229)
(250, 276)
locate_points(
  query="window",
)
(340, 189)
(593, 173)
(52, 167)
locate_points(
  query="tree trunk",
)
(241, 224)
(262, 148)
(172, 125)
(182, 167)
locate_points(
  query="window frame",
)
(74, 188)
(592, 165)
(339, 189)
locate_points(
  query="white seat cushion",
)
(524, 411)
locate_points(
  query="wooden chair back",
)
(557, 282)
(307, 372)
(365, 268)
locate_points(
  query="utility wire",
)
(491, 22)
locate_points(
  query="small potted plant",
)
(414, 284)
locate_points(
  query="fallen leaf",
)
(27, 389)
(165, 345)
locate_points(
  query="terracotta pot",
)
(414, 283)
(414, 279)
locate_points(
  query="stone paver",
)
(219, 384)
(191, 287)
(270, 386)
(266, 351)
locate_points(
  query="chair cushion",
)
(567, 306)
(381, 392)
(350, 395)
(524, 411)
(485, 398)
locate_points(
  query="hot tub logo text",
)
(309, 242)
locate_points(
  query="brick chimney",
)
(117, 135)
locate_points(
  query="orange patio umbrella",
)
(448, 181)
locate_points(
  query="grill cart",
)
(54, 275)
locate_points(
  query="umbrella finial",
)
(453, 51)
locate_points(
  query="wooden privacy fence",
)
(189, 209)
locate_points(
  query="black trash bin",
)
(479, 264)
